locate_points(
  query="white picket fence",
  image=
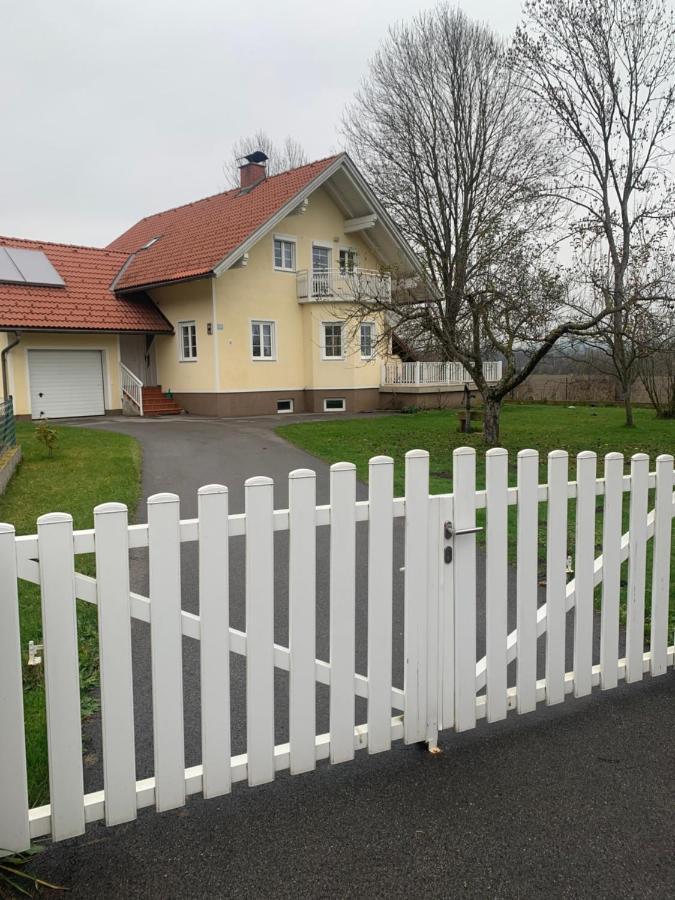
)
(434, 374)
(443, 680)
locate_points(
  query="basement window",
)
(284, 406)
(334, 404)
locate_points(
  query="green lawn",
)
(541, 427)
(88, 467)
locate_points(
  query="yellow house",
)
(238, 304)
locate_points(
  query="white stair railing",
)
(132, 387)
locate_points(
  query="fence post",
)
(496, 580)
(302, 619)
(637, 561)
(214, 644)
(526, 580)
(556, 577)
(611, 571)
(342, 610)
(380, 590)
(658, 642)
(584, 556)
(14, 831)
(62, 675)
(117, 690)
(166, 649)
(464, 575)
(415, 594)
(259, 502)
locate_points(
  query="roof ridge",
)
(7, 237)
(163, 212)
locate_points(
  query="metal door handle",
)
(450, 532)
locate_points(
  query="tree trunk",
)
(493, 410)
(628, 404)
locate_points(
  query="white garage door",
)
(66, 383)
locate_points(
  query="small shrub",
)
(410, 410)
(46, 435)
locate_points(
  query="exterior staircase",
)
(156, 404)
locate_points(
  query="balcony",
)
(361, 285)
(414, 377)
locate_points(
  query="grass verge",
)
(88, 467)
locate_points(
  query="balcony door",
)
(321, 270)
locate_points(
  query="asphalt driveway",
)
(573, 801)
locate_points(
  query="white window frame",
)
(288, 239)
(285, 412)
(273, 335)
(323, 341)
(181, 345)
(371, 326)
(341, 400)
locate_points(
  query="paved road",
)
(570, 802)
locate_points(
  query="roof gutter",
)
(3, 357)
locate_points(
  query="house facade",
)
(238, 304)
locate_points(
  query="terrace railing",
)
(435, 373)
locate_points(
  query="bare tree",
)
(443, 128)
(289, 155)
(602, 74)
(657, 362)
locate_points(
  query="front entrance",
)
(137, 353)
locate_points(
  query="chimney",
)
(253, 170)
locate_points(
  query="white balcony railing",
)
(360, 284)
(434, 373)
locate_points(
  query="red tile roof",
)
(194, 238)
(85, 303)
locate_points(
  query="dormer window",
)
(284, 253)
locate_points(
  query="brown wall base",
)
(264, 403)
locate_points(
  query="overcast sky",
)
(110, 111)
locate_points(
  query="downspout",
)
(3, 357)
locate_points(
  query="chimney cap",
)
(257, 156)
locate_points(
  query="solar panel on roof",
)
(8, 271)
(29, 267)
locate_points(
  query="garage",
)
(66, 383)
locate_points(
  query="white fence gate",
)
(444, 684)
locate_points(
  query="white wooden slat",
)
(584, 558)
(259, 498)
(658, 642)
(526, 580)
(342, 614)
(214, 648)
(496, 580)
(302, 619)
(380, 587)
(166, 649)
(62, 676)
(611, 571)
(445, 620)
(114, 642)
(464, 576)
(14, 829)
(415, 594)
(556, 577)
(637, 563)
(434, 631)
